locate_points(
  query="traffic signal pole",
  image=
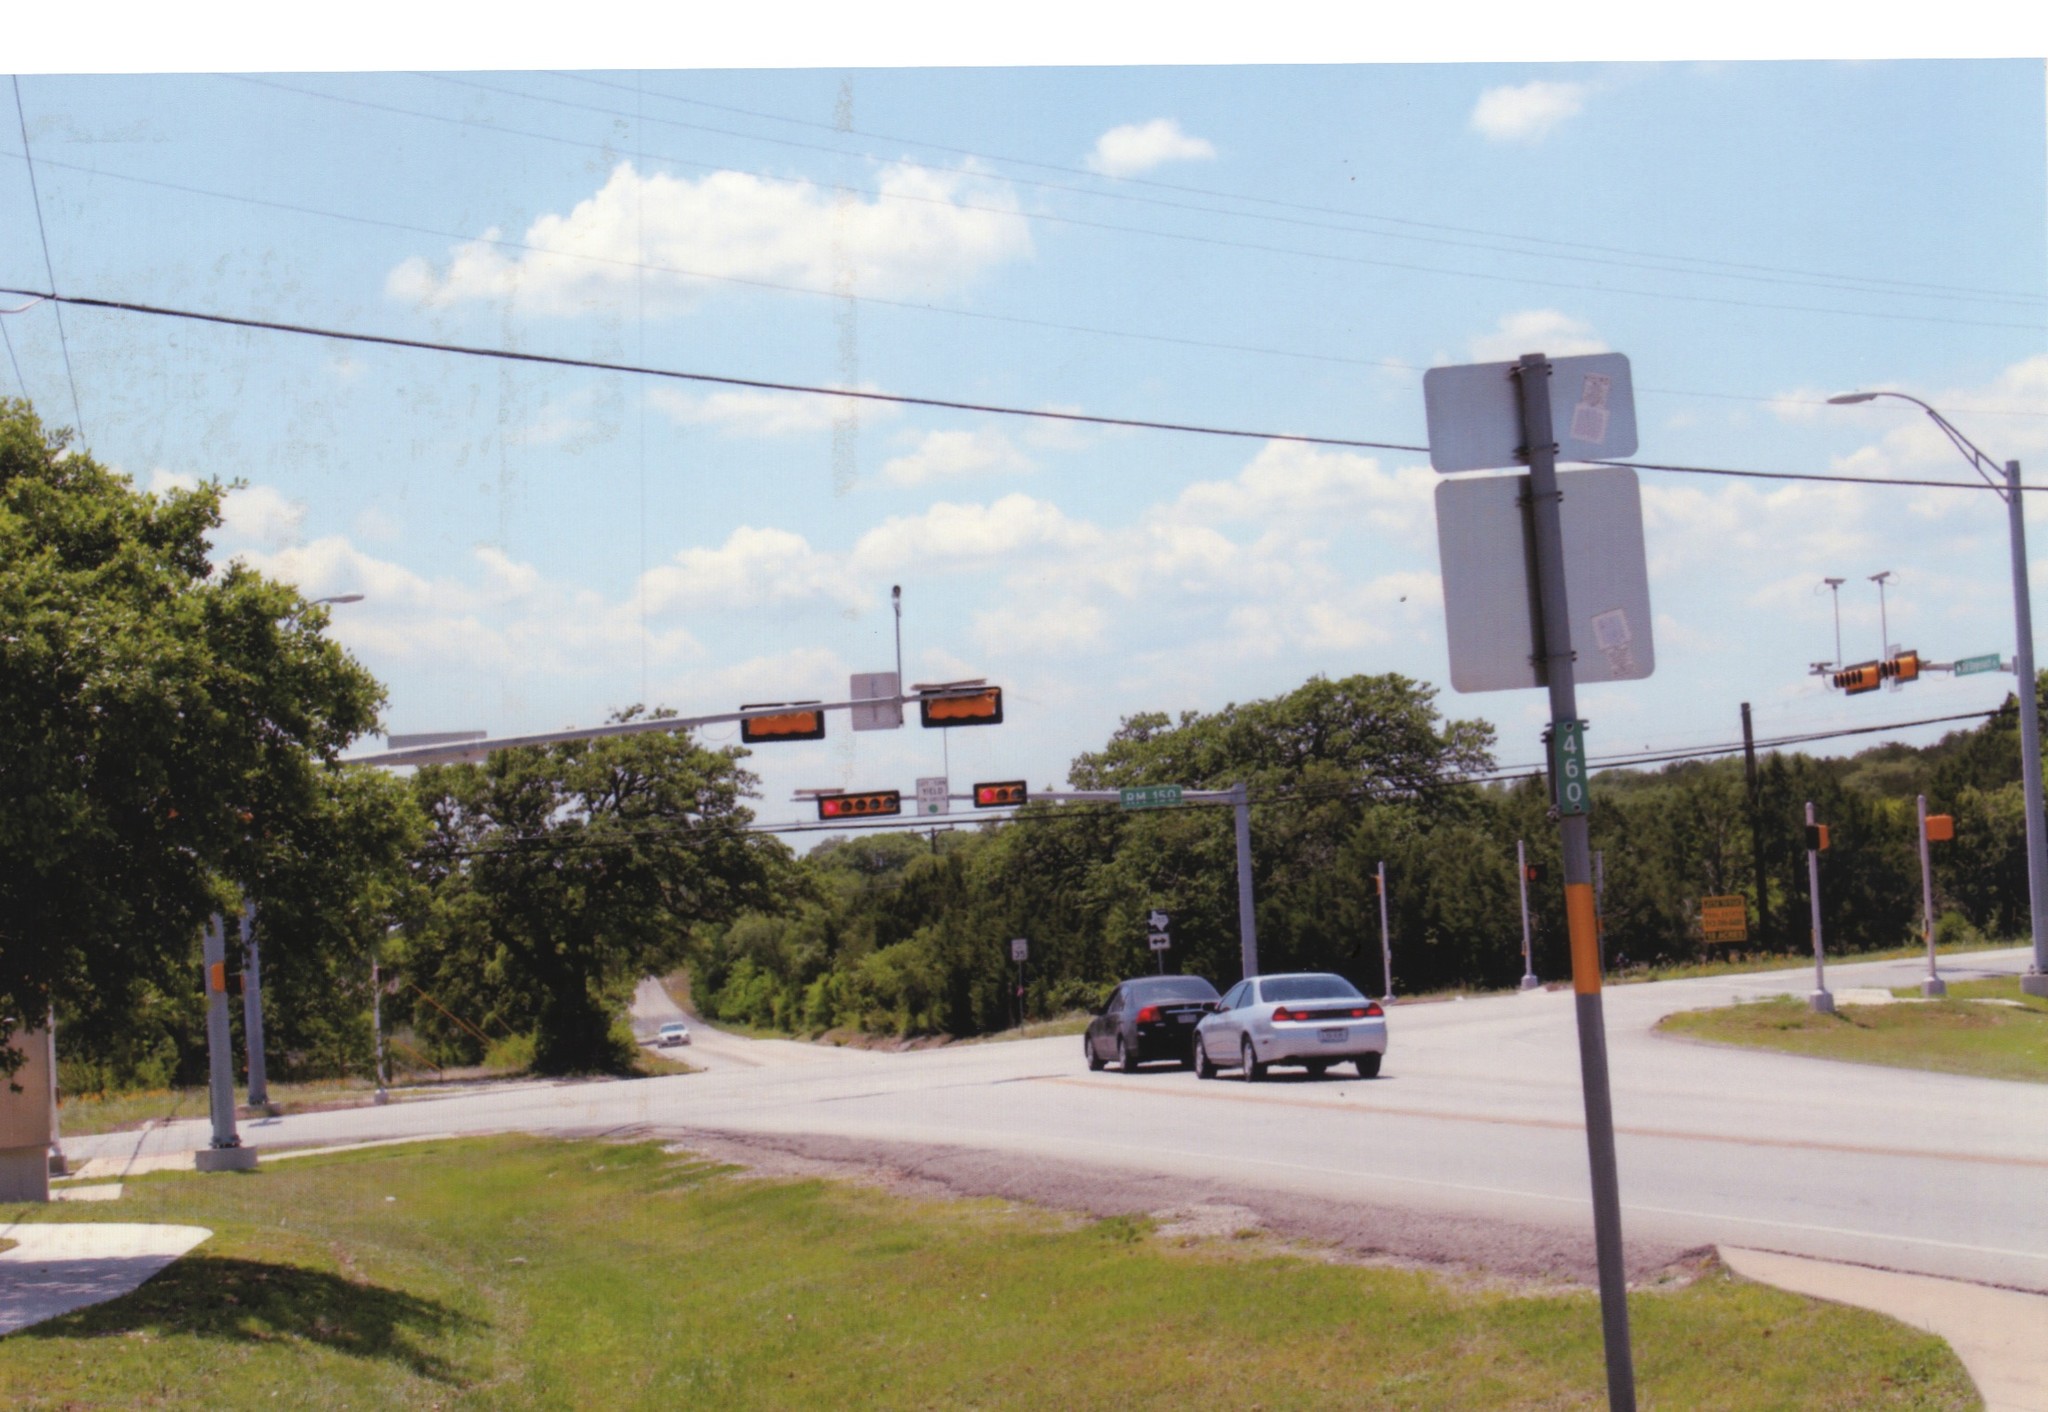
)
(2035, 981)
(1555, 648)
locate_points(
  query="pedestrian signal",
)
(1941, 828)
(1533, 872)
(860, 806)
(980, 708)
(1816, 838)
(1865, 676)
(1005, 795)
(793, 725)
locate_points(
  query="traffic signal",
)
(980, 708)
(1941, 828)
(794, 725)
(860, 806)
(1864, 676)
(1533, 872)
(1904, 667)
(1816, 838)
(1005, 795)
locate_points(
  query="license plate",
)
(1335, 1034)
(1185, 1019)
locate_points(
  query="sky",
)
(1262, 248)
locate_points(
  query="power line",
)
(36, 199)
(1206, 240)
(951, 311)
(906, 399)
(1836, 280)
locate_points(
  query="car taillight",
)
(1148, 1015)
(1283, 1013)
(1372, 1009)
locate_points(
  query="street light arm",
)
(1991, 470)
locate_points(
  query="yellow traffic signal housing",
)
(1864, 676)
(860, 806)
(1816, 838)
(1904, 667)
(1941, 828)
(980, 708)
(795, 725)
(1004, 795)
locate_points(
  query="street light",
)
(337, 598)
(2006, 481)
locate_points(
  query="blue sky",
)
(1274, 248)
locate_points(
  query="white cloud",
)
(958, 536)
(1057, 628)
(754, 568)
(1549, 331)
(1526, 112)
(660, 238)
(1292, 479)
(1139, 147)
(747, 412)
(945, 455)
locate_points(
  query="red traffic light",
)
(979, 708)
(860, 806)
(1864, 676)
(793, 725)
(1003, 795)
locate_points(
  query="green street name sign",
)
(1568, 766)
(1150, 796)
(1970, 666)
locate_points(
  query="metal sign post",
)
(226, 1154)
(1820, 1000)
(1533, 375)
(252, 1009)
(1934, 987)
(1529, 981)
(1386, 945)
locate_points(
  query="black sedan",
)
(1152, 1017)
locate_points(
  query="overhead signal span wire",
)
(905, 399)
(1181, 236)
(1897, 286)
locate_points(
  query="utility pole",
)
(226, 1154)
(1834, 586)
(1821, 1002)
(1386, 944)
(252, 1010)
(1934, 986)
(1247, 922)
(1529, 981)
(1756, 831)
(377, 1028)
(1539, 442)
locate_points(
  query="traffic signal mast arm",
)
(460, 751)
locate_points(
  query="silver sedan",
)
(1312, 1019)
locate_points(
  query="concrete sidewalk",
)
(60, 1266)
(2000, 1334)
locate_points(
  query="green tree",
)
(563, 874)
(170, 725)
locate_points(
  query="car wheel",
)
(1316, 1068)
(1369, 1066)
(1125, 1060)
(1249, 1062)
(1204, 1068)
(1088, 1048)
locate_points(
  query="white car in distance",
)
(1310, 1018)
(673, 1033)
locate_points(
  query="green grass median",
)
(1985, 1028)
(527, 1273)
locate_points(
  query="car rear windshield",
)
(1308, 988)
(1175, 988)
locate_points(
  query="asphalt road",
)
(1476, 1120)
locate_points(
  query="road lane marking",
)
(1229, 1094)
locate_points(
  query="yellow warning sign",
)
(1725, 918)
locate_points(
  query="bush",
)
(513, 1054)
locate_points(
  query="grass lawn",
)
(1958, 1035)
(1749, 963)
(83, 1114)
(527, 1273)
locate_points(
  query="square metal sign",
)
(1475, 412)
(1489, 568)
(879, 715)
(932, 795)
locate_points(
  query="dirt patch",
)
(1526, 1258)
